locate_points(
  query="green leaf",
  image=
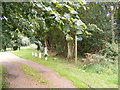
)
(67, 31)
(68, 37)
(84, 8)
(60, 21)
(88, 8)
(82, 2)
(72, 19)
(84, 26)
(88, 33)
(71, 9)
(71, 38)
(59, 27)
(58, 6)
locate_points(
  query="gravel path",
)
(18, 79)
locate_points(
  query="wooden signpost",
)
(77, 39)
(76, 49)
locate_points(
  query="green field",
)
(79, 77)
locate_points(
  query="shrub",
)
(110, 51)
(15, 47)
(103, 65)
(92, 42)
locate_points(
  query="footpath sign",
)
(79, 39)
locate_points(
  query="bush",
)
(92, 42)
(103, 65)
(15, 47)
(110, 51)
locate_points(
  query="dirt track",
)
(18, 79)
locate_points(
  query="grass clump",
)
(36, 76)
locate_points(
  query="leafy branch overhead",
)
(58, 22)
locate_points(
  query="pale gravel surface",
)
(18, 79)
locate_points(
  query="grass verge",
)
(36, 76)
(3, 74)
(80, 78)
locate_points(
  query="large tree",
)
(40, 19)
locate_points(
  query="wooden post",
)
(35, 54)
(68, 44)
(32, 53)
(76, 49)
(40, 56)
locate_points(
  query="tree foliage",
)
(55, 24)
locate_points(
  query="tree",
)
(40, 18)
(99, 13)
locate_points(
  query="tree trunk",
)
(70, 45)
(112, 24)
(45, 42)
(52, 47)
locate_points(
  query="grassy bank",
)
(35, 76)
(3, 74)
(79, 77)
